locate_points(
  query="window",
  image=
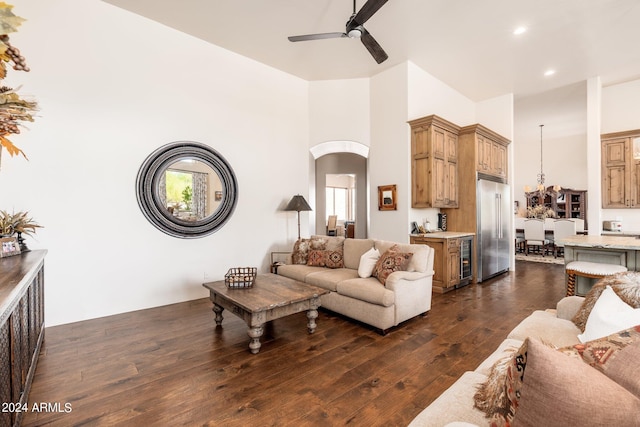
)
(340, 196)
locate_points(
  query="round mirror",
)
(186, 189)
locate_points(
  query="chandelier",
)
(540, 187)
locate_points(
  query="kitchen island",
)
(605, 249)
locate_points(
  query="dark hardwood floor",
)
(172, 366)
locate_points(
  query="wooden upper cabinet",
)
(490, 150)
(621, 169)
(434, 163)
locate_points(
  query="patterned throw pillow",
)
(300, 251)
(498, 397)
(302, 247)
(616, 356)
(325, 258)
(391, 261)
(626, 285)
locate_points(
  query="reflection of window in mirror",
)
(387, 198)
(341, 196)
(636, 148)
(191, 188)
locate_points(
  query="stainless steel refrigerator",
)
(494, 232)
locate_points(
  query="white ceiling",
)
(468, 44)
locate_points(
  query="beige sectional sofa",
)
(405, 294)
(456, 404)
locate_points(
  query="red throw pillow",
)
(324, 258)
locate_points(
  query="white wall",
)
(563, 112)
(113, 87)
(339, 110)
(390, 152)
(621, 111)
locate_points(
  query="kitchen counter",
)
(603, 242)
(444, 234)
(605, 249)
(626, 233)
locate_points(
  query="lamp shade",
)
(298, 203)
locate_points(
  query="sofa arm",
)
(410, 276)
(567, 307)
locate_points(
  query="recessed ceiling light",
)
(519, 30)
(549, 73)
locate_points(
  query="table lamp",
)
(298, 203)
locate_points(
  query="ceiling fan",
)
(355, 30)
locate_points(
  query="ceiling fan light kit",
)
(355, 30)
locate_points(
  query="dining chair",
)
(332, 225)
(534, 235)
(562, 228)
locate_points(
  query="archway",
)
(343, 161)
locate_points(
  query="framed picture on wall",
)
(387, 198)
(9, 246)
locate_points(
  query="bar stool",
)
(593, 270)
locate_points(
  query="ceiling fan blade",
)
(373, 47)
(316, 37)
(368, 10)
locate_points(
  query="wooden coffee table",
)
(271, 297)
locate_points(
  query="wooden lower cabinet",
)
(21, 330)
(448, 264)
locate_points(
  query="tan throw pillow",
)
(558, 390)
(391, 261)
(626, 285)
(498, 396)
(328, 259)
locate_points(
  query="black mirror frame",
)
(147, 183)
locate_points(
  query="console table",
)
(21, 329)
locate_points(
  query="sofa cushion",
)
(297, 271)
(328, 278)
(368, 262)
(561, 390)
(545, 326)
(331, 243)
(353, 250)
(368, 289)
(609, 314)
(626, 285)
(454, 405)
(325, 258)
(390, 261)
(420, 253)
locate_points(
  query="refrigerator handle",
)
(499, 209)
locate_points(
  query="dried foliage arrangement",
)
(13, 108)
(20, 222)
(540, 212)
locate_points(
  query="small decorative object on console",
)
(9, 247)
(240, 277)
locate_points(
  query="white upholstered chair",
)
(534, 235)
(562, 228)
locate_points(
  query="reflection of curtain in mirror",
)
(199, 201)
(162, 189)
